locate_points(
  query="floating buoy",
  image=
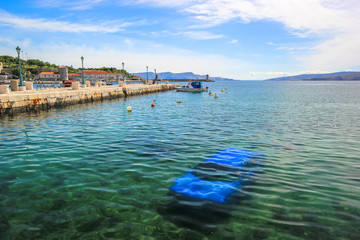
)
(179, 101)
(152, 105)
(225, 88)
(129, 109)
(215, 96)
(225, 92)
(154, 99)
(222, 90)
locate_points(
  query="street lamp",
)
(82, 67)
(123, 72)
(147, 75)
(155, 76)
(21, 79)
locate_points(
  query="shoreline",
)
(43, 99)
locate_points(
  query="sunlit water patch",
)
(95, 171)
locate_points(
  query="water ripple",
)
(95, 171)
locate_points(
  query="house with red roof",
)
(137, 78)
(96, 75)
(48, 76)
(74, 76)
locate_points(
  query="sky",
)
(239, 39)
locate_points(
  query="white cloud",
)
(74, 5)
(234, 41)
(339, 53)
(42, 24)
(153, 55)
(304, 16)
(202, 35)
(270, 73)
(129, 43)
(7, 41)
(335, 23)
(89, 4)
(162, 3)
(196, 35)
(12, 43)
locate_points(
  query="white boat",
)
(192, 87)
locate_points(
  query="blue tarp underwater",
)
(219, 177)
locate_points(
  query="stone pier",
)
(35, 100)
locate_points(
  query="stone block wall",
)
(35, 100)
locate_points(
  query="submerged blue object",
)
(219, 177)
(196, 84)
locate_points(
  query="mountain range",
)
(185, 75)
(337, 76)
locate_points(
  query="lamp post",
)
(20, 75)
(123, 72)
(82, 72)
(155, 75)
(147, 74)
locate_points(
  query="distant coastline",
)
(337, 76)
(184, 75)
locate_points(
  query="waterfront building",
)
(74, 76)
(137, 78)
(4, 76)
(100, 75)
(1, 66)
(64, 74)
(48, 76)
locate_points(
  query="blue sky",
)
(240, 39)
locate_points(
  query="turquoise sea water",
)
(94, 171)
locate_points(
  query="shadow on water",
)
(207, 195)
(203, 216)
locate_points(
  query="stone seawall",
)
(35, 100)
(138, 89)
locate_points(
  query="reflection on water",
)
(95, 171)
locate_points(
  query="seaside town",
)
(180, 120)
(40, 88)
(39, 74)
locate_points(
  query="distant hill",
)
(338, 76)
(185, 75)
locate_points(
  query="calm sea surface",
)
(94, 171)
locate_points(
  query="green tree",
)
(15, 72)
(34, 70)
(8, 60)
(36, 62)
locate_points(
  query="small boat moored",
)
(192, 87)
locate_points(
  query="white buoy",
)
(129, 109)
(154, 99)
(215, 96)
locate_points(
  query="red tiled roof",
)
(46, 73)
(95, 72)
(137, 77)
(99, 72)
(62, 67)
(74, 74)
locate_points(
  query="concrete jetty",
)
(41, 99)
